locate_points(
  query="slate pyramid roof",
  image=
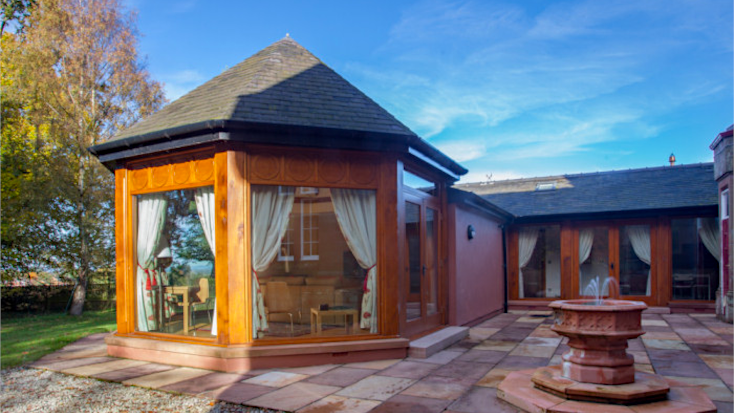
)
(282, 94)
(282, 84)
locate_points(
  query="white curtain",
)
(151, 218)
(526, 245)
(586, 241)
(639, 236)
(356, 213)
(204, 198)
(271, 207)
(710, 235)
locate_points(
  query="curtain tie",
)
(366, 276)
(259, 291)
(147, 277)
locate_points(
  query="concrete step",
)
(431, 344)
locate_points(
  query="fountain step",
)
(431, 344)
(519, 390)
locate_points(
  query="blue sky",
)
(508, 89)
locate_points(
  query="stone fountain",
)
(597, 374)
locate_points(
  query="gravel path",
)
(31, 390)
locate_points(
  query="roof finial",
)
(287, 35)
(671, 159)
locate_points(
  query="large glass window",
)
(327, 285)
(174, 252)
(695, 249)
(540, 262)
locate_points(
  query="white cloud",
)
(462, 151)
(180, 83)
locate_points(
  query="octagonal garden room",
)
(276, 216)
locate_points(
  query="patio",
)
(691, 348)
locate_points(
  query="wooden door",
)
(421, 268)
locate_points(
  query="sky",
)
(509, 89)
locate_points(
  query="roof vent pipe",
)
(671, 159)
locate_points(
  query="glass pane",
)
(432, 261)
(634, 260)
(323, 290)
(695, 268)
(175, 283)
(413, 257)
(593, 260)
(540, 261)
(416, 182)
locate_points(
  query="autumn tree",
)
(79, 62)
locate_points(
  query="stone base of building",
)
(244, 358)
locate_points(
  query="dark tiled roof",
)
(670, 187)
(282, 84)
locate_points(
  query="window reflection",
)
(175, 284)
(695, 249)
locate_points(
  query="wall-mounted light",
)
(470, 232)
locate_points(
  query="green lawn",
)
(26, 338)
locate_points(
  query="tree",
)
(80, 63)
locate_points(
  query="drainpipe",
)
(504, 267)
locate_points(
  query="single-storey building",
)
(276, 216)
(654, 231)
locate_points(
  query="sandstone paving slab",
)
(376, 388)
(60, 365)
(711, 348)
(98, 368)
(665, 344)
(533, 351)
(409, 370)
(311, 370)
(726, 375)
(341, 376)
(237, 392)
(710, 341)
(439, 387)
(544, 331)
(276, 379)
(375, 365)
(493, 378)
(723, 330)
(724, 406)
(293, 397)
(647, 322)
(718, 361)
(482, 356)
(164, 378)
(411, 404)
(634, 344)
(496, 345)
(442, 357)
(133, 372)
(641, 357)
(662, 336)
(542, 341)
(714, 388)
(481, 333)
(679, 355)
(683, 369)
(555, 360)
(88, 352)
(647, 368)
(521, 362)
(532, 320)
(462, 346)
(546, 313)
(205, 383)
(690, 395)
(339, 404)
(464, 369)
(481, 400)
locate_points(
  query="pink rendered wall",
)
(476, 276)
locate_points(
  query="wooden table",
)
(316, 315)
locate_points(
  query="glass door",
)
(423, 307)
(614, 261)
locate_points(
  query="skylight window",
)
(545, 186)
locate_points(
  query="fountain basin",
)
(597, 336)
